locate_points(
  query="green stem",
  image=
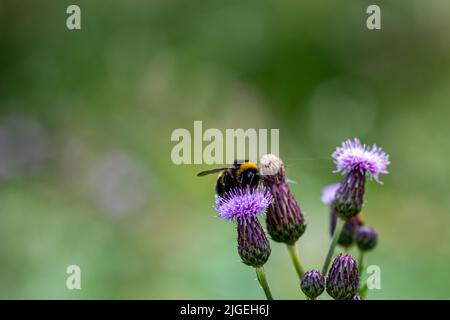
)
(263, 282)
(363, 291)
(295, 259)
(334, 239)
(363, 287)
(361, 263)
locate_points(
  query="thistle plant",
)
(356, 161)
(243, 205)
(352, 232)
(285, 222)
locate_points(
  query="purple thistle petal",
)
(353, 155)
(243, 203)
(329, 192)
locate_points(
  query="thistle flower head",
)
(312, 284)
(241, 203)
(270, 164)
(329, 192)
(343, 278)
(354, 156)
(284, 219)
(366, 238)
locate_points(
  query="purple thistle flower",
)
(354, 156)
(242, 203)
(357, 161)
(284, 219)
(312, 284)
(343, 278)
(366, 238)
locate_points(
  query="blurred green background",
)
(86, 117)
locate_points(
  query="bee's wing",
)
(204, 173)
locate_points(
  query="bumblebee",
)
(239, 174)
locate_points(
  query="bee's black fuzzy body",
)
(239, 174)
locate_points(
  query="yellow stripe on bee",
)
(245, 166)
